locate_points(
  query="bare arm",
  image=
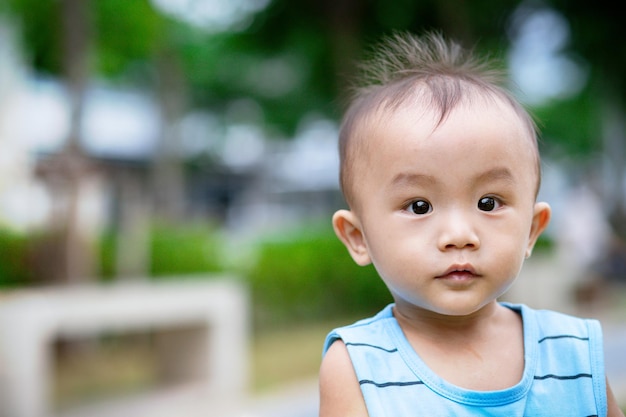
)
(613, 407)
(340, 393)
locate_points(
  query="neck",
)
(414, 320)
(482, 351)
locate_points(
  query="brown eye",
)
(420, 207)
(487, 204)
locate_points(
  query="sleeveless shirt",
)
(563, 371)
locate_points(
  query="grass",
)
(288, 355)
(90, 371)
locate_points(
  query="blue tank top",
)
(563, 371)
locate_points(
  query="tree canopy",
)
(293, 58)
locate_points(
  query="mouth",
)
(463, 272)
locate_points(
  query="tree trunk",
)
(168, 182)
(67, 173)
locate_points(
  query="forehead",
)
(485, 129)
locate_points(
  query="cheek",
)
(399, 253)
(508, 246)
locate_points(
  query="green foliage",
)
(544, 245)
(127, 34)
(38, 21)
(15, 251)
(107, 255)
(310, 277)
(570, 127)
(188, 249)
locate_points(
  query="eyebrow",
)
(496, 174)
(406, 178)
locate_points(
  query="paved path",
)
(296, 400)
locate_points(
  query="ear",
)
(348, 230)
(541, 218)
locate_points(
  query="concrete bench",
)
(32, 320)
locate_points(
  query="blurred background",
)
(174, 141)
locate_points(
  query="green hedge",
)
(179, 250)
(174, 250)
(309, 277)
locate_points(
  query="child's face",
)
(446, 214)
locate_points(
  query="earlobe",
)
(348, 230)
(541, 219)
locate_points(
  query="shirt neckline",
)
(463, 395)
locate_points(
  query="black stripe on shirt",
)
(565, 377)
(563, 336)
(410, 383)
(390, 384)
(372, 346)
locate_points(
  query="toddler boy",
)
(440, 169)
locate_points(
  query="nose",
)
(458, 231)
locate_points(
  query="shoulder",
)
(366, 331)
(340, 393)
(336, 362)
(558, 325)
(552, 324)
